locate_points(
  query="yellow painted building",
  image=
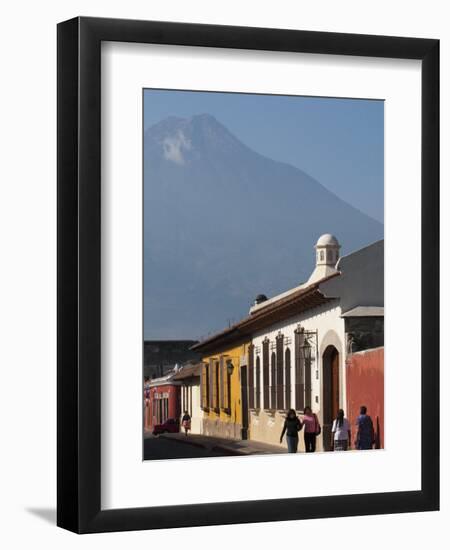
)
(223, 387)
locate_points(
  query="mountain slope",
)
(223, 223)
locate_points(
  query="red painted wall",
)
(173, 399)
(147, 409)
(365, 386)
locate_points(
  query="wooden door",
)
(244, 402)
(330, 396)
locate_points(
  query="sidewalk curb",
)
(185, 441)
(227, 451)
(215, 448)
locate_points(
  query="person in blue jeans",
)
(292, 425)
(365, 432)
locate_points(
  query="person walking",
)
(340, 433)
(186, 422)
(312, 429)
(365, 432)
(291, 427)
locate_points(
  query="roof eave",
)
(285, 308)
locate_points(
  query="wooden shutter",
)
(214, 396)
(299, 372)
(207, 386)
(217, 385)
(258, 383)
(273, 380)
(251, 383)
(211, 383)
(202, 387)
(228, 396)
(287, 379)
(222, 402)
(265, 358)
(280, 358)
(225, 381)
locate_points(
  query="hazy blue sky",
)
(339, 142)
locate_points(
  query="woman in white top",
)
(340, 433)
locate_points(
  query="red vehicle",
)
(169, 426)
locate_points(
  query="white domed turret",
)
(327, 250)
(327, 255)
(327, 239)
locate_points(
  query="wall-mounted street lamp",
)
(307, 351)
(230, 367)
(309, 346)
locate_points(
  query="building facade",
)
(223, 392)
(299, 360)
(365, 386)
(162, 400)
(190, 395)
(297, 363)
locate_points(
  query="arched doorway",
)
(330, 362)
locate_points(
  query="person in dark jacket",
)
(292, 426)
(186, 422)
(365, 432)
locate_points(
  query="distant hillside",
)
(223, 223)
(160, 356)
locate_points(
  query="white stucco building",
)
(190, 400)
(298, 354)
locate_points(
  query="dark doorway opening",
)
(330, 362)
(244, 401)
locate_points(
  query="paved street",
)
(163, 447)
(194, 445)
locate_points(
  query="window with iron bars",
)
(258, 383)
(287, 378)
(280, 391)
(251, 377)
(266, 384)
(303, 367)
(273, 377)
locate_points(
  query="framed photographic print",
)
(237, 209)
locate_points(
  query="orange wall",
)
(365, 386)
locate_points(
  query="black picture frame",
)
(79, 276)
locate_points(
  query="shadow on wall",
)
(377, 434)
